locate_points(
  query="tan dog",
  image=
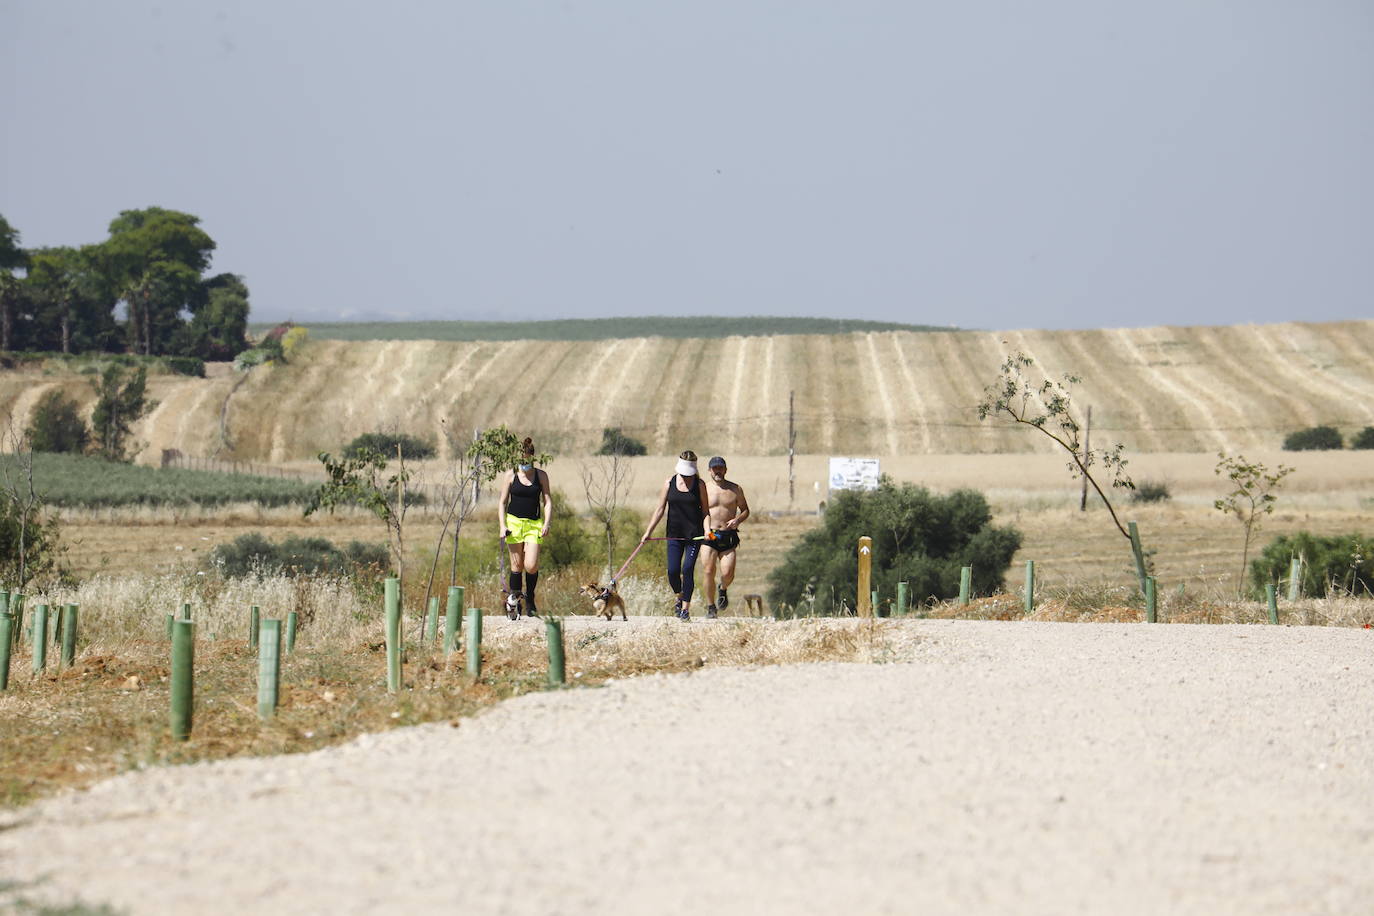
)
(604, 600)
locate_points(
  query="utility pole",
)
(791, 450)
(1087, 450)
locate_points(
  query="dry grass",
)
(108, 712)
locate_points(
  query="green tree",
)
(1314, 439)
(1251, 498)
(362, 480)
(1363, 439)
(57, 426)
(218, 329)
(155, 258)
(12, 257)
(29, 545)
(118, 405)
(73, 304)
(919, 538)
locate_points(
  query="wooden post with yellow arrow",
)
(865, 576)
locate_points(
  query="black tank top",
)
(524, 497)
(684, 509)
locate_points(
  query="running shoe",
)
(677, 608)
(532, 611)
(685, 616)
(710, 612)
(722, 599)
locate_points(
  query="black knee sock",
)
(514, 583)
(531, 580)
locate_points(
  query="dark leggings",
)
(682, 563)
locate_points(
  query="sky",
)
(981, 163)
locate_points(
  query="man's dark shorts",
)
(726, 540)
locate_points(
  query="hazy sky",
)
(985, 164)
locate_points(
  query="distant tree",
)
(12, 257)
(72, 301)
(57, 426)
(218, 329)
(156, 258)
(29, 544)
(1364, 438)
(615, 442)
(1314, 439)
(118, 405)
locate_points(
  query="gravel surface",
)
(994, 767)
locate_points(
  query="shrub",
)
(919, 537)
(186, 365)
(42, 549)
(569, 542)
(1151, 491)
(253, 553)
(1344, 562)
(1314, 439)
(57, 426)
(615, 442)
(1364, 438)
(386, 444)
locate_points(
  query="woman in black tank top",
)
(689, 519)
(526, 506)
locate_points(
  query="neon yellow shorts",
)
(523, 530)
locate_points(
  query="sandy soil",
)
(1030, 768)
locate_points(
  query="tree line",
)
(144, 290)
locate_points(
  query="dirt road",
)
(986, 767)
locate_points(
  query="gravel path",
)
(999, 767)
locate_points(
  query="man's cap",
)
(716, 462)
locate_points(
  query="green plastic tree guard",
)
(1139, 552)
(6, 635)
(432, 620)
(171, 618)
(1272, 594)
(40, 637)
(553, 628)
(393, 635)
(1151, 600)
(1030, 586)
(1294, 579)
(254, 623)
(474, 642)
(269, 667)
(183, 676)
(873, 603)
(901, 599)
(965, 583)
(17, 608)
(68, 635)
(452, 618)
(292, 621)
(186, 610)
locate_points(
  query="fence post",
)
(474, 642)
(1294, 579)
(254, 621)
(902, 599)
(293, 620)
(1272, 594)
(432, 620)
(864, 597)
(1151, 600)
(1030, 586)
(40, 637)
(1139, 553)
(68, 635)
(183, 674)
(6, 637)
(269, 667)
(393, 635)
(965, 583)
(553, 629)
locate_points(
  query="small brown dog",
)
(604, 600)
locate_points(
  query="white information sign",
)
(853, 473)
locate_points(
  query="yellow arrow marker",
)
(865, 575)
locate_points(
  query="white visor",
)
(686, 468)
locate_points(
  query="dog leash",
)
(630, 558)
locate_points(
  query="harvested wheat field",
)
(1162, 389)
(951, 767)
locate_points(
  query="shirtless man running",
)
(729, 509)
